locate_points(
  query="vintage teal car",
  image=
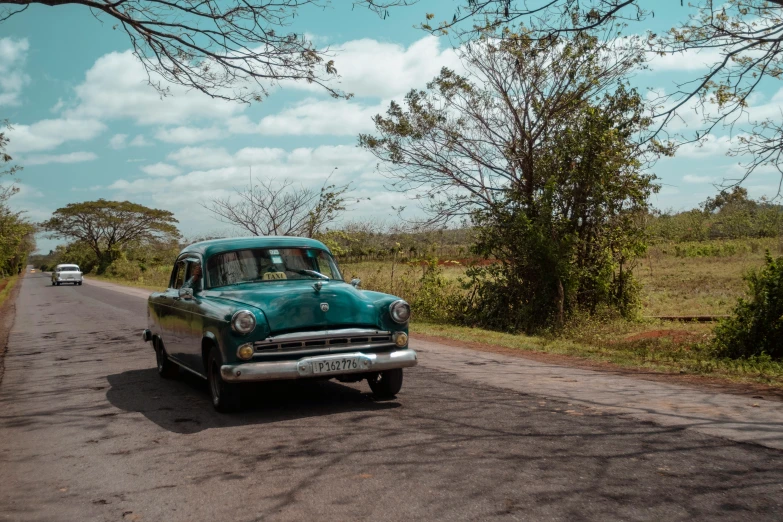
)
(270, 308)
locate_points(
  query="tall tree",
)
(16, 233)
(107, 226)
(543, 145)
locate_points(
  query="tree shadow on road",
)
(184, 405)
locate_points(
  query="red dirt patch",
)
(675, 336)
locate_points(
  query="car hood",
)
(296, 305)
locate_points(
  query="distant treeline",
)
(729, 215)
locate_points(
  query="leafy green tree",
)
(106, 227)
(16, 233)
(539, 144)
(755, 327)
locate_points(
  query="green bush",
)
(122, 268)
(437, 299)
(755, 327)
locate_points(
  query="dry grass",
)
(6, 285)
(399, 279)
(708, 285)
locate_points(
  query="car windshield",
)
(72, 268)
(270, 264)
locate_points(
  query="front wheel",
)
(166, 368)
(226, 396)
(386, 385)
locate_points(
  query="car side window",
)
(194, 275)
(178, 277)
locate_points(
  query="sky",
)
(87, 126)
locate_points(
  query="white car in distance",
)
(66, 274)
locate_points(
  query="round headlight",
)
(243, 322)
(400, 311)
(245, 352)
(400, 339)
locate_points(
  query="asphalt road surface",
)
(88, 431)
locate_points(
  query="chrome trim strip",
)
(321, 334)
(333, 348)
(194, 372)
(302, 368)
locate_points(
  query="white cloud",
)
(185, 135)
(139, 141)
(690, 178)
(118, 141)
(325, 158)
(48, 134)
(161, 169)
(12, 77)
(710, 146)
(203, 157)
(385, 70)
(313, 117)
(218, 170)
(23, 191)
(691, 60)
(71, 157)
(116, 87)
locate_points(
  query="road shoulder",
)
(7, 316)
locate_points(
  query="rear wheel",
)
(386, 385)
(166, 368)
(226, 396)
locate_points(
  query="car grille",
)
(324, 341)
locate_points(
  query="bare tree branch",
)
(231, 50)
(267, 208)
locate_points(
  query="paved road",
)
(89, 432)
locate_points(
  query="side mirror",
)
(356, 282)
(186, 293)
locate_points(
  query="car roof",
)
(215, 246)
(66, 264)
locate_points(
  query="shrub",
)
(755, 327)
(124, 269)
(437, 299)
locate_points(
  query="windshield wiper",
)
(310, 273)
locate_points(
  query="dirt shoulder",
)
(751, 390)
(7, 315)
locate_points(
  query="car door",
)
(192, 314)
(173, 318)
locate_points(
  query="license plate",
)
(336, 365)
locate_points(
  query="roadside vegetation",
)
(16, 232)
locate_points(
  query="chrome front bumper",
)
(302, 368)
